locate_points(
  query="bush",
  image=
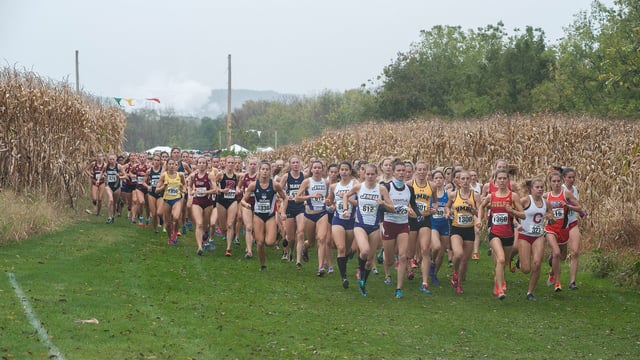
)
(600, 263)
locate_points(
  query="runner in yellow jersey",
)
(172, 182)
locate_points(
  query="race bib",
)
(140, 179)
(230, 195)
(368, 209)
(154, 182)
(98, 176)
(111, 178)
(262, 207)
(293, 193)
(422, 207)
(500, 219)
(200, 191)
(465, 219)
(173, 191)
(439, 213)
(402, 210)
(558, 213)
(536, 230)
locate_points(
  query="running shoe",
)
(179, 233)
(501, 295)
(551, 280)
(140, 223)
(399, 294)
(227, 253)
(169, 240)
(164, 230)
(363, 290)
(375, 271)
(184, 229)
(236, 242)
(331, 270)
(321, 271)
(212, 245)
(298, 266)
(200, 252)
(530, 297)
(414, 264)
(205, 245)
(285, 256)
(475, 256)
(305, 254)
(345, 283)
(109, 220)
(263, 267)
(175, 239)
(88, 211)
(380, 256)
(557, 287)
(434, 279)
(218, 231)
(147, 223)
(248, 255)
(573, 286)
(454, 280)
(450, 263)
(424, 288)
(189, 225)
(410, 274)
(387, 280)
(496, 291)
(459, 289)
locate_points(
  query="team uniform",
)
(572, 216)
(202, 184)
(139, 172)
(97, 173)
(338, 217)
(228, 198)
(173, 189)
(128, 185)
(501, 219)
(423, 201)
(397, 222)
(291, 189)
(438, 221)
(532, 225)
(154, 177)
(367, 215)
(315, 207)
(264, 205)
(462, 222)
(113, 177)
(558, 204)
(246, 180)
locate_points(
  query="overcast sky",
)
(177, 50)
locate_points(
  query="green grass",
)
(156, 301)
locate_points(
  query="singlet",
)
(573, 216)
(265, 199)
(501, 219)
(423, 197)
(477, 188)
(438, 216)
(291, 189)
(400, 199)
(154, 177)
(246, 180)
(532, 225)
(316, 187)
(462, 213)
(228, 183)
(173, 189)
(140, 171)
(558, 204)
(97, 172)
(367, 210)
(201, 184)
(113, 178)
(338, 192)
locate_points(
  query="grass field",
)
(156, 301)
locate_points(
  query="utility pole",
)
(229, 108)
(77, 72)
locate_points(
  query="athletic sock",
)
(342, 266)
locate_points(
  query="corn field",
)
(605, 155)
(49, 133)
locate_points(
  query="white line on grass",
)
(54, 353)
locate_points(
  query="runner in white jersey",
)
(394, 229)
(370, 196)
(343, 217)
(313, 192)
(531, 232)
(569, 178)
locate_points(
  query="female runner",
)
(172, 182)
(113, 173)
(569, 178)
(154, 199)
(228, 206)
(440, 226)
(200, 187)
(95, 170)
(294, 223)
(263, 191)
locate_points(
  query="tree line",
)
(453, 73)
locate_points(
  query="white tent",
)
(238, 149)
(159, 148)
(266, 149)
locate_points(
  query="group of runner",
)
(393, 212)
